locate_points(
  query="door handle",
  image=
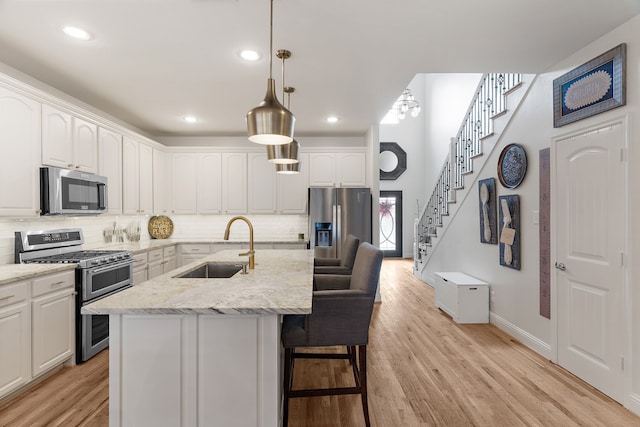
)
(561, 266)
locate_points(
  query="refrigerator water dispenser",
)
(324, 234)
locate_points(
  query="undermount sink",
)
(212, 270)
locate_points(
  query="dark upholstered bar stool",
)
(342, 265)
(342, 307)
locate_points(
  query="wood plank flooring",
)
(424, 370)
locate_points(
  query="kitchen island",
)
(204, 351)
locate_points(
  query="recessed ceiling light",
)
(76, 33)
(190, 119)
(249, 55)
(332, 119)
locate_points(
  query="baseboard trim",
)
(633, 403)
(534, 343)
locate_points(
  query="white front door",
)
(590, 269)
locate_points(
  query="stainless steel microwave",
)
(71, 192)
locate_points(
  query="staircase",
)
(488, 104)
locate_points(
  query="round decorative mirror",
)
(393, 161)
(388, 161)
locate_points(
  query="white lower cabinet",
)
(190, 252)
(15, 337)
(52, 325)
(139, 268)
(154, 263)
(206, 370)
(37, 330)
(169, 259)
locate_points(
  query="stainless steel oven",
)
(100, 281)
(98, 275)
(92, 330)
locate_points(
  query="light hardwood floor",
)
(424, 370)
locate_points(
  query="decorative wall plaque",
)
(512, 165)
(596, 86)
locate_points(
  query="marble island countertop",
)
(281, 283)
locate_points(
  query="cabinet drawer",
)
(169, 251)
(54, 282)
(15, 292)
(139, 259)
(195, 248)
(154, 255)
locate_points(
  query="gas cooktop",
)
(62, 246)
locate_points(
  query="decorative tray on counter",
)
(160, 227)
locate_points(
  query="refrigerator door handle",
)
(337, 233)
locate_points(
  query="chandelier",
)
(406, 104)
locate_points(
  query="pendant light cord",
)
(271, 40)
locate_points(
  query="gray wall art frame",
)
(487, 208)
(401, 160)
(509, 208)
(592, 88)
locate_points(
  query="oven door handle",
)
(108, 267)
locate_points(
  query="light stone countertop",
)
(146, 245)
(281, 283)
(15, 272)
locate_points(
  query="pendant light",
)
(270, 122)
(288, 169)
(285, 153)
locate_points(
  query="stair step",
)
(498, 114)
(513, 89)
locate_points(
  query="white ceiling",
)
(154, 61)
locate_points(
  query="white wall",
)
(517, 292)
(444, 99)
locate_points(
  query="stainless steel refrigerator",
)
(333, 214)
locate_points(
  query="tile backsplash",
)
(266, 227)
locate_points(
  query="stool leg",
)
(286, 385)
(362, 350)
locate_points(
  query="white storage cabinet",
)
(464, 298)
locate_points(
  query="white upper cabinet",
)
(209, 183)
(184, 190)
(85, 145)
(110, 165)
(322, 169)
(162, 179)
(137, 177)
(19, 137)
(56, 138)
(293, 189)
(344, 169)
(234, 179)
(146, 178)
(351, 169)
(262, 184)
(68, 142)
